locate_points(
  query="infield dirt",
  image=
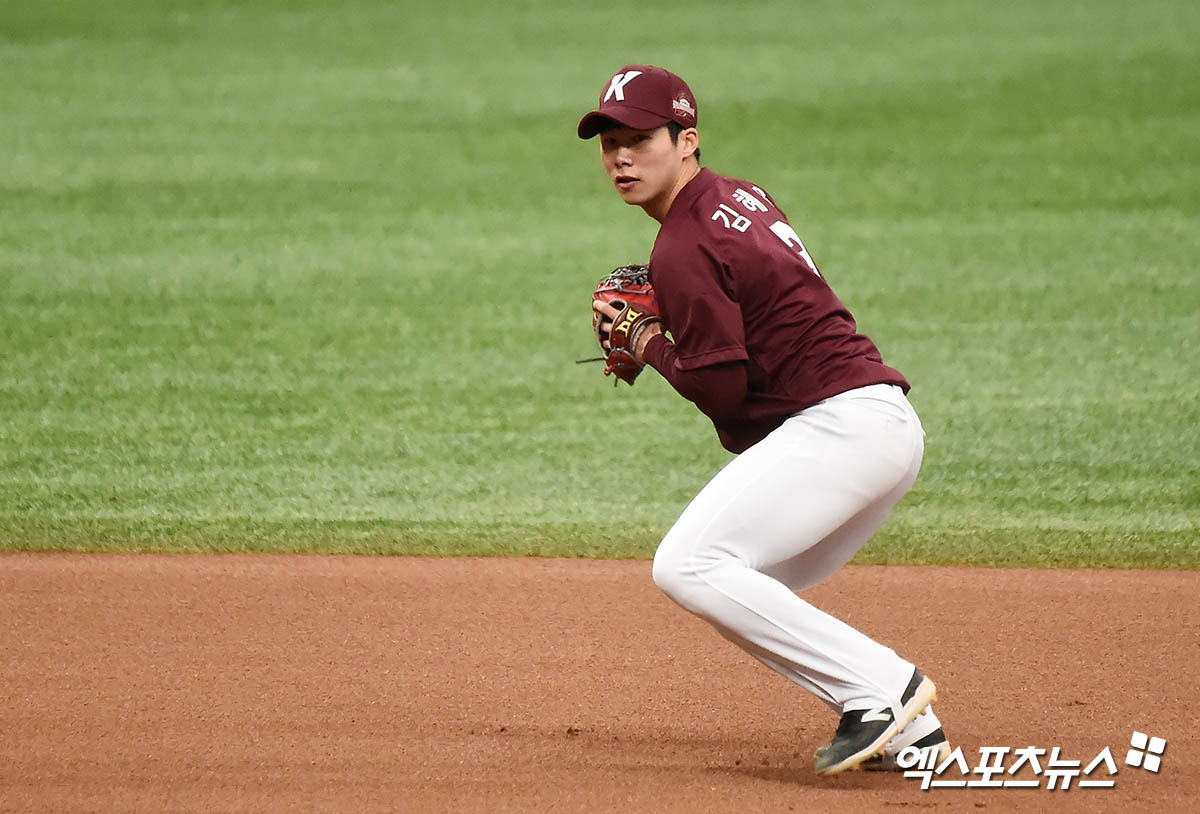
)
(285, 683)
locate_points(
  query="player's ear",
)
(689, 141)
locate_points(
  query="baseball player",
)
(749, 330)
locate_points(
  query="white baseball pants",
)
(784, 515)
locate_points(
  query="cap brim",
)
(602, 119)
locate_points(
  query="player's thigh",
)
(822, 559)
(796, 487)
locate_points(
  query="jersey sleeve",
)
(704, 320)
(717, 389)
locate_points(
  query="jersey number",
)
(788, 235)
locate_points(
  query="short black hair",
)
(675, 128)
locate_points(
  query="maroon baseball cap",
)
(642, 97)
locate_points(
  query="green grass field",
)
(285, 276)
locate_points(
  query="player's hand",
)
(624, 309)
(608, 314)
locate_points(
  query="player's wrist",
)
(648, 333)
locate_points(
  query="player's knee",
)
(669, 574)
(677, 574)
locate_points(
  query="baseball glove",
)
(627, 289)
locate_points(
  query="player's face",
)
(645, 166)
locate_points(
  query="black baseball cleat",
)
(862, 733)
(888, 762)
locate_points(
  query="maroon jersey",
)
(735, 283)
